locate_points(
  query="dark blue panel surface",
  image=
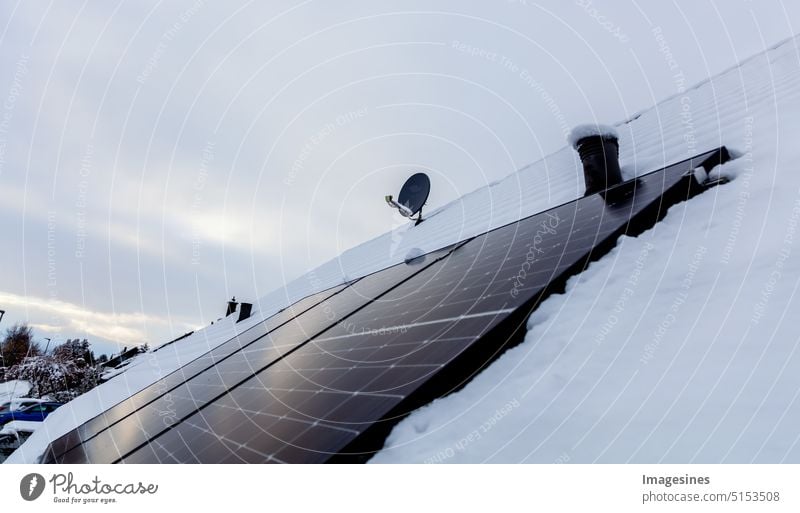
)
(161, 405)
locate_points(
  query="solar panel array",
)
(160, 405)
(326, 379)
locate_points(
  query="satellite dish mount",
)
(413, 196)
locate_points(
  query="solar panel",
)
(331, 396)
(336, 397)
(187, 371)
(171, 398)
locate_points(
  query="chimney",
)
(244, 311)
(598, 148)
(231, 306)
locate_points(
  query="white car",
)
(18, 403)
(14, 434)
(22, 428)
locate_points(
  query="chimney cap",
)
(245, 309)
(232, 304)
(582, 132)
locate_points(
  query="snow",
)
(589, 130)
(15, 426)
(715, 379)
(12, 389)
(680, 345)
(412, 254)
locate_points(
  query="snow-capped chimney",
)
(599, 151)
(231, 306)
(244, 311)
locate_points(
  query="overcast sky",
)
(158, 157)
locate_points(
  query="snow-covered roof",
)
(746, 108)
(679, 346)
(13, 389)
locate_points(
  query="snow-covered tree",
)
(74, 350)
(63, 375)
(62, 380)
(45, 375)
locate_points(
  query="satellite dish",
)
(413, 196)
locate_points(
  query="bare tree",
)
(17, 345)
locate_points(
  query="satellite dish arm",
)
(404, 210)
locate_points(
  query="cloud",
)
(194, 159)
(50, 328)
(71, 320)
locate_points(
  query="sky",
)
(157, 158)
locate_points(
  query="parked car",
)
(14, 434)
(35, 412)
(18, 403)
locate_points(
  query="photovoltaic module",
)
(326, 379)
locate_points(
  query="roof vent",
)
(598, 148)
(244, 311)
(231, 306)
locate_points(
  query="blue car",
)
(34, 413)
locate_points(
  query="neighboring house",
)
(124, 356)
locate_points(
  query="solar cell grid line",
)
(363, 382)
(149, 420)
(190, 369)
